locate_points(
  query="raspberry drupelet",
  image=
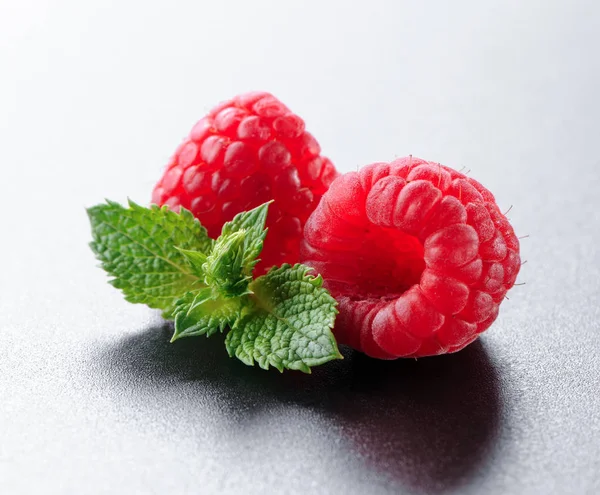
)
(418, 256)
(247, 151)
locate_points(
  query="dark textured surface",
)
(92, 397)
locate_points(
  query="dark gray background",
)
(94, 97)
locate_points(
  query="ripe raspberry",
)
(418, 256)
(245, 152)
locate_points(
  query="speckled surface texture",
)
(94, 97)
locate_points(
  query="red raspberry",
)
(245, 152)
(418, 256)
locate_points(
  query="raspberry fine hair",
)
(246, 151)
(418, 255)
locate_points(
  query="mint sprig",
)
(167, 261)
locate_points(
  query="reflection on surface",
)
(428, 424)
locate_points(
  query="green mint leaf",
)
(196, 260)
(253, 223)
(203, 313)
(287, 323)
(224, 267)
(136, 246)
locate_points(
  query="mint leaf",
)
(287, 323)
(136, 246)
(253, 223)
(203, 313)
(224, 267)
(196, 260)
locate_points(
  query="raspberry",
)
(247, 151)
(418, 256)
